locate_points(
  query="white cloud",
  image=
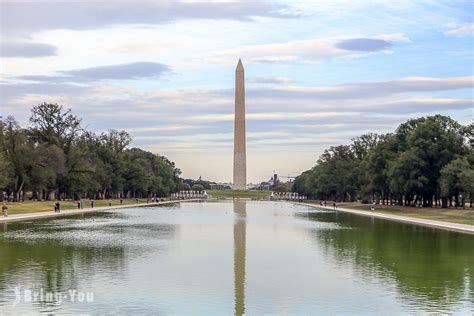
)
(279, 102)
(274, 80)
(395, 37)
(143, 46)
(310, 50)
(23, 49)
(34, 16)
(264, 116)
(160, 128)
(463, 30)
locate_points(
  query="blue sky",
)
(318, 73)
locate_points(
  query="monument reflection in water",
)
(240, 213)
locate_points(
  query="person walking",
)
(92, 203)
(372, 207)
(82, 204)
(58, 207)
(79, 205)
(5, 209)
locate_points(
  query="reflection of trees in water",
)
(428, 265)
(58, 255)
(240, 212)
(54, 266)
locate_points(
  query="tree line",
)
(55, 157)
(427, 161)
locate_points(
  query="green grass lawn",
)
(44, 206)
(453, 215)
(246, 194)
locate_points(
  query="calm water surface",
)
(234, 258)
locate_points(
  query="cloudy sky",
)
(318, 73)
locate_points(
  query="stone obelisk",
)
(240, 154)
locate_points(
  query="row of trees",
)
(201, 185)
(426, 161)
(55, 157)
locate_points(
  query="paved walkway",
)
(463, 228)
(51, 214)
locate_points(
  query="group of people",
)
(81, 203)
(152, 200)
(323, 203)
(334, 205)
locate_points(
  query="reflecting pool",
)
(225, 258)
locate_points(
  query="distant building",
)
(274, 180)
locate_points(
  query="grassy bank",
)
(246, 194)
(45, 206)
(453, 215)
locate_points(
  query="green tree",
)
(184, 187)
(48, 165)
(19, 155)
(5, 168)
(148, 174)
(435, 140)
(52, 124)
(198, 187)
(106, 151)
(457, 179)
(403, 167)
(281, 187)
(56, 157)
(467, 183)
(407, 177)
(374, 169)
(299, 184)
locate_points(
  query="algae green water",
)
(232, 258)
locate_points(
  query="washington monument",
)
(240, 155)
